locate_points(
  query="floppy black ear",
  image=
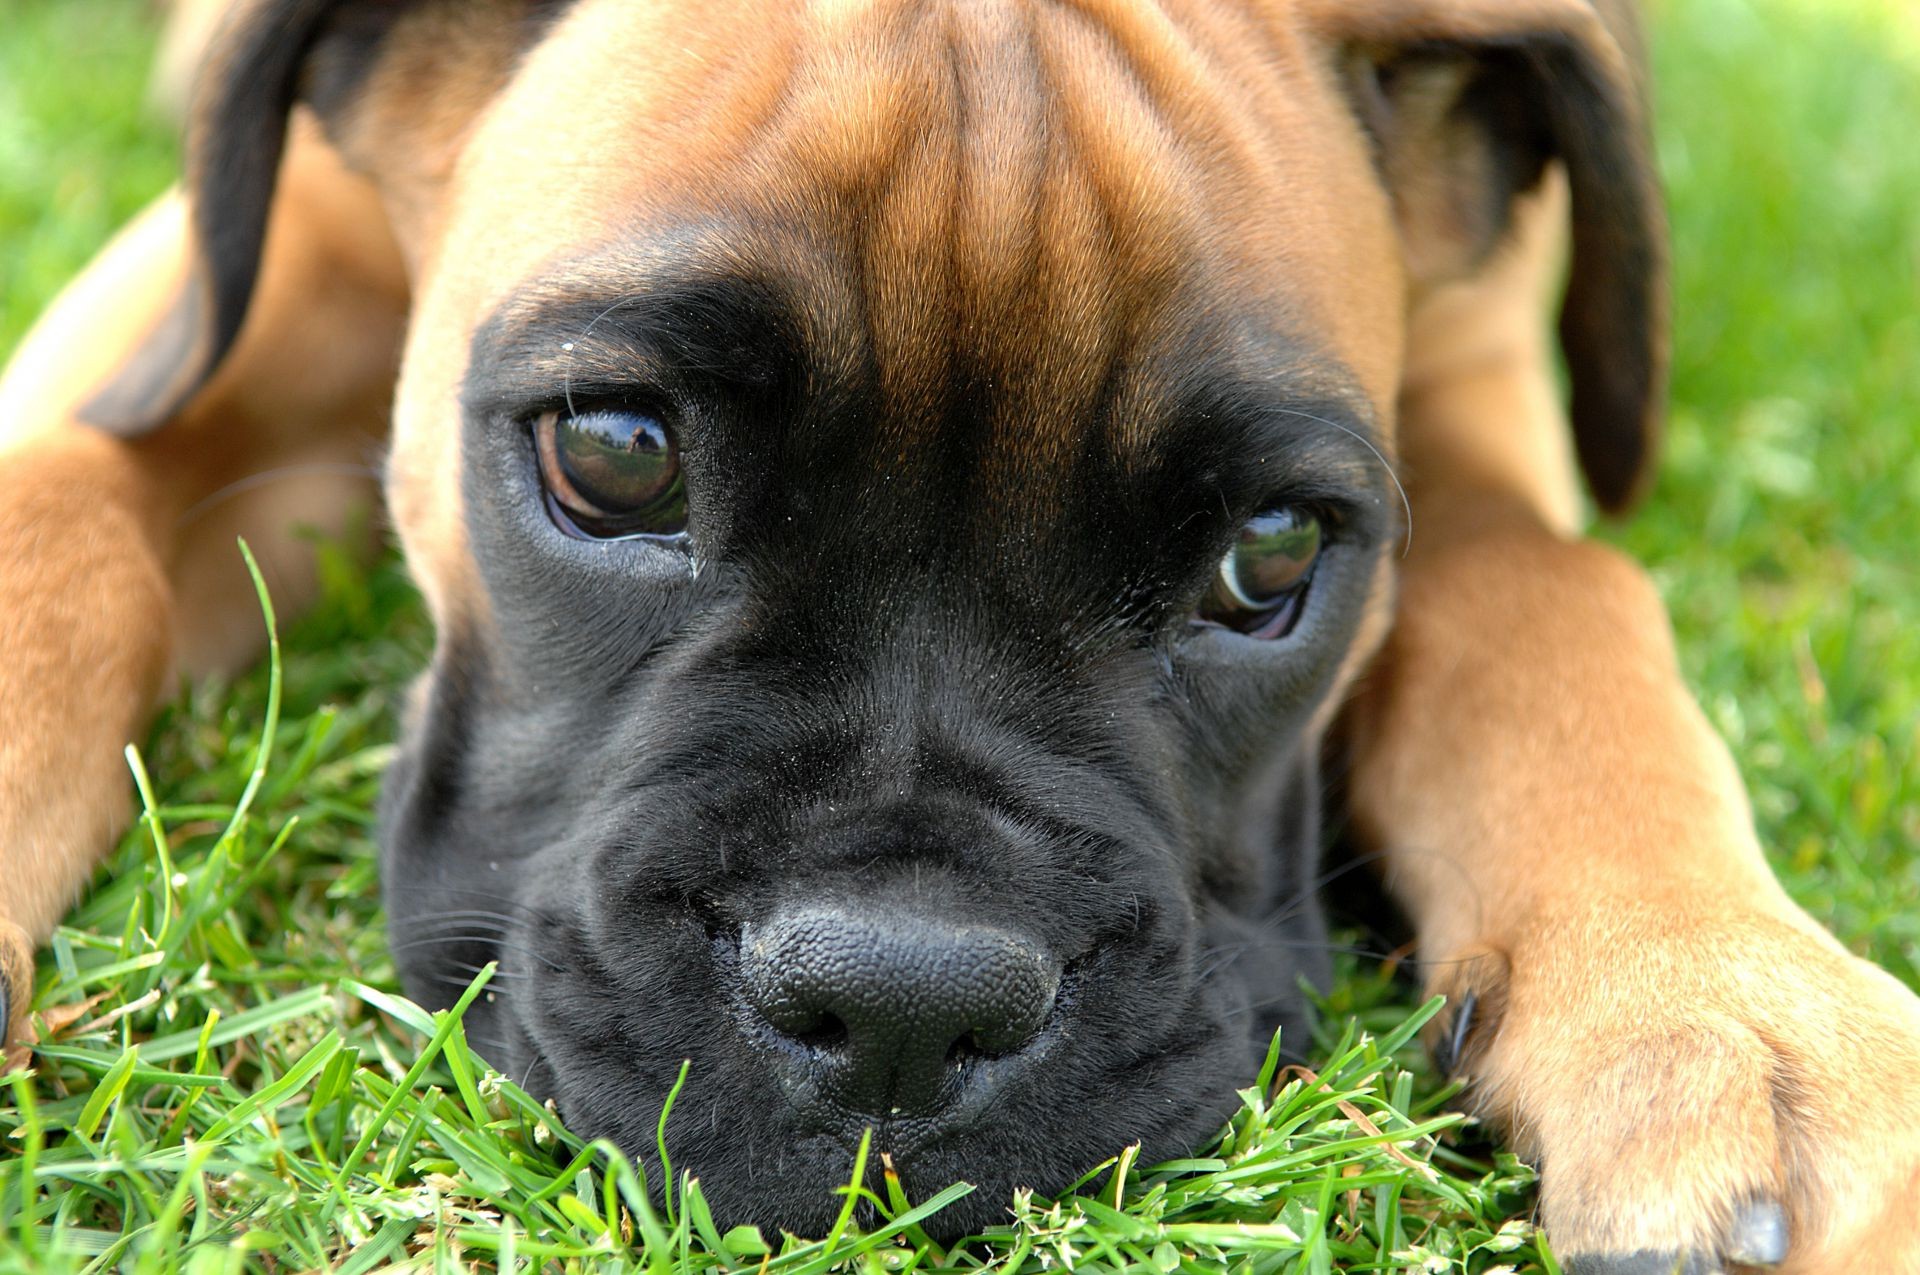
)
(1492, 90)
(251, 77)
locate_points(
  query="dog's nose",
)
(892, 1009)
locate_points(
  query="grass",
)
(1783, 529)
(231, 1080)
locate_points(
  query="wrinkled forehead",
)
(1018, 194)
(1029, 185)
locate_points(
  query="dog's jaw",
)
(611, 906)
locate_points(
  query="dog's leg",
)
(117, 557)
(1701, 1070)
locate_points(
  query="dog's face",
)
(913, 570)
(902, 488)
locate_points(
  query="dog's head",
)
(902, 488)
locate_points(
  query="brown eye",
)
(611, 474)
(1262, 582)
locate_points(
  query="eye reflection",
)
(611, 474)
(1261, 583)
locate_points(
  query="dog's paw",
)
(1701, 1094)
(16, 985)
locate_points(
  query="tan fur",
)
(1574, 847)
(1569, 836)
(112, 570)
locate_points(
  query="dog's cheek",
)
(454, 840)
(610, 1053)
(1261, 929)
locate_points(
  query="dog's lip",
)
(937, 1144)
(913, 1138)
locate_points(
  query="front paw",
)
(1701, 1095)
(16, 986)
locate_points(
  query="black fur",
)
(876, 692)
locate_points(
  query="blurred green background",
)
(1783, 529)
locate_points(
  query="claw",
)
(1447, 1052)
(1645, 1262)
(1758, 1236)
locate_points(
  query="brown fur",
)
(1560, 822)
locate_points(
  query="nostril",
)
(826, 1036)
(969, 1048)
(792, 1011)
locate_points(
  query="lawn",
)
(232, 1082)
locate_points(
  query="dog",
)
(913, 496)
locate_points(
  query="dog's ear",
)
(1467, 102)
(263, 59)
(248, 80)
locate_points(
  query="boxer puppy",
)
(907, 495)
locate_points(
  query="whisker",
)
(448, 940)
(241, 486)
(474, 915)
(446, 891)
(462, 981)
(1309, 891)
(1232, 951)
(1406, 542)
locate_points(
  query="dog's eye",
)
(1262, 582)
(611, 474)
